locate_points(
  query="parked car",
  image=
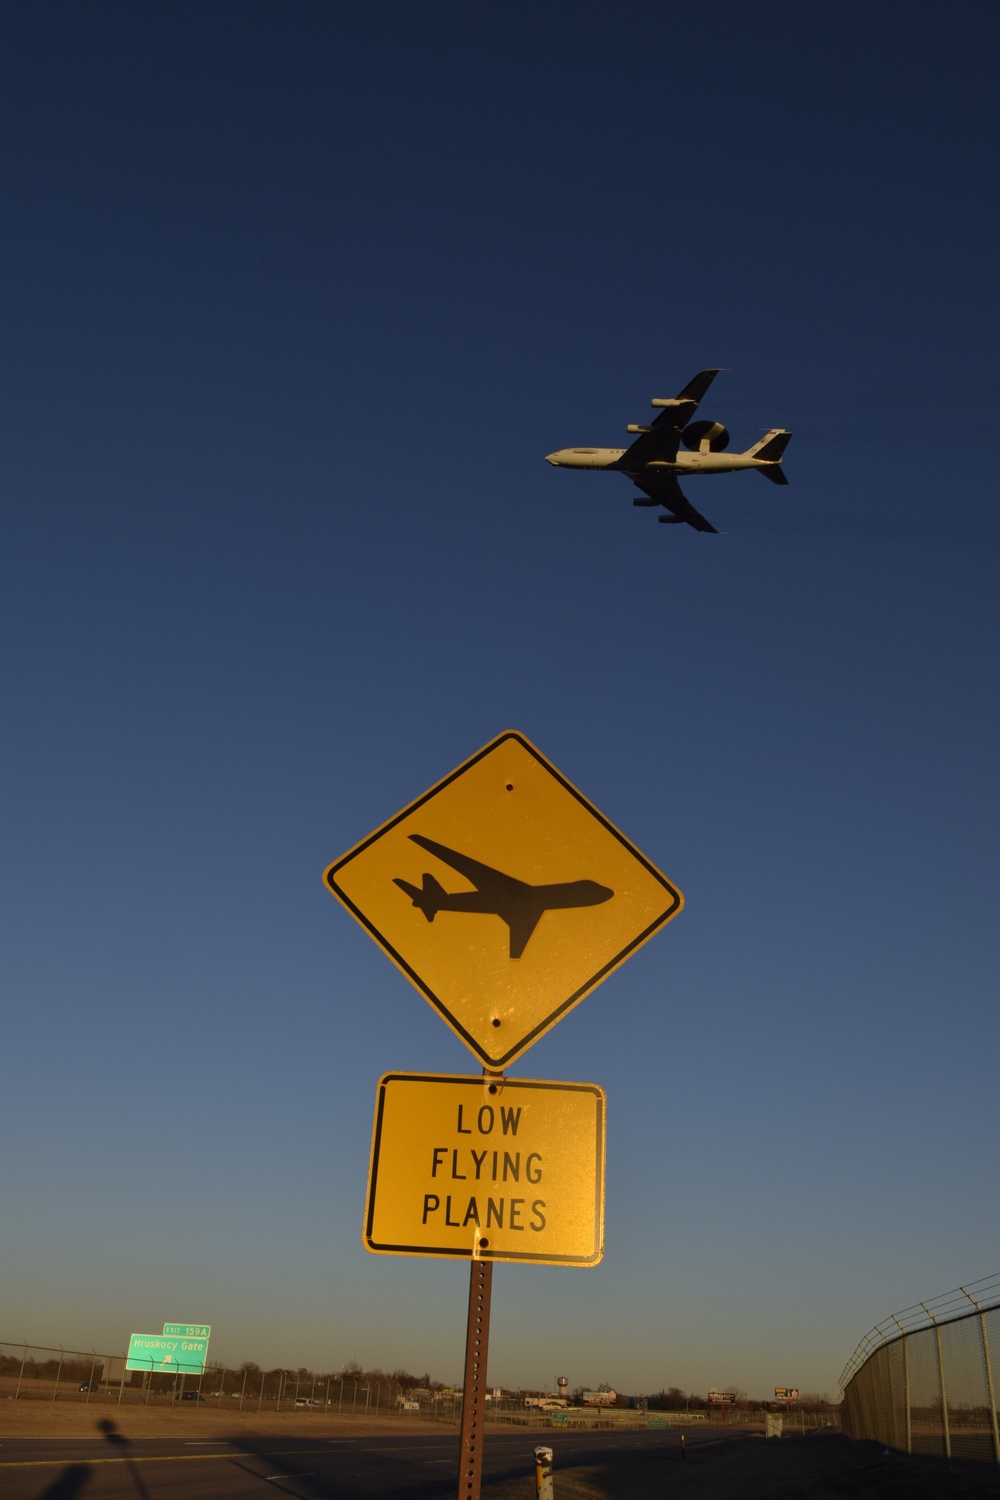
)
(307, 1401)
(192, 1396)
(89, 1385)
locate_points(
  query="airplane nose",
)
(553, 459)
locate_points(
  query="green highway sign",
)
(188, 1330)
(155, 1351)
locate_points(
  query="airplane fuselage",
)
(501, 902)
(685, 464)
(514, 901)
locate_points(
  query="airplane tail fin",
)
(426, 898)
(769, 451)
(771, 446)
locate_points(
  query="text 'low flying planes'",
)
(673, 446)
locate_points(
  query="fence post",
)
(989, 1375)
(989, 1388)
(906, 1386)
(944, 1394)
(24, 1360)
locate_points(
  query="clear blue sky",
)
(297, 299)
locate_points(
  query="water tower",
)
(563, 1385)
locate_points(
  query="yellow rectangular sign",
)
(487, 1169)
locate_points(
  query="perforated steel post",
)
(477, 1338)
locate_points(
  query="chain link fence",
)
(922, 1380)
(35, 1373)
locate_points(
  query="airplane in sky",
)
(513, 901)
(656, 460)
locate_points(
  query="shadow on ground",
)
(70, 1483)
(822, 1467)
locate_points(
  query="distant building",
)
(599, 1398)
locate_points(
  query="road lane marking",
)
(151, 1458)
(168, 1458)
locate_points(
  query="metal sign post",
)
(505, 897)
(477, 1341)
(477, 1347)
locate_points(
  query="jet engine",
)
(702, 434)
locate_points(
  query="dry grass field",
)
(79, 1419)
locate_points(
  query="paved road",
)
(339, 1468)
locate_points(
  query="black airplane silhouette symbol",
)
(516, 903)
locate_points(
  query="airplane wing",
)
(515, 902)
(522, 925)
(664, 490)
(482, 876)
(663, 437)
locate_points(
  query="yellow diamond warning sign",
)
(505, 896)
(487, 1168)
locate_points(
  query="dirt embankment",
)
(77, 1419)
